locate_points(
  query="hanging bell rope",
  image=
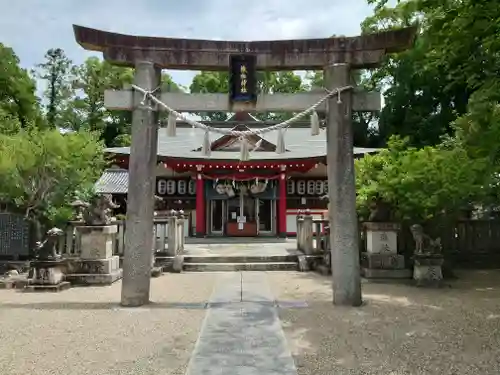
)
(172, 125)
(314, 123)
(280, 144)
(206, 149)
(244, 149)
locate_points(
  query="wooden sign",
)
(243, 79)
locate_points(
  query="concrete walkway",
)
(242, 332)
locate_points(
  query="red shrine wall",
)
(303, 191)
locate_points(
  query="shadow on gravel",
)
(152, 305)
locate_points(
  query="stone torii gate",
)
(335, 56)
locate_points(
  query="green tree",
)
(56, 72)
(9, 124)
(455, 55)
(87, 111)
(211, 82)
(41, 171)
(278, 82)
(18, 101)
(419, 184)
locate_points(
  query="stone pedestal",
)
(48, 276)
(381, 259)
(306, 234)
(172, 236)
(96, 265)
(97, 241)
(427, 270)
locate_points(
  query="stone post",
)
(308, 236)
(142, 179)
(155, 270)
(300, 222)
(282, 204)
(172, 234)
(381, 259)
(182, 222)
(178, 262)
(342, 190)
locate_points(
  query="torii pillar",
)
(344, 247)
(141, 188)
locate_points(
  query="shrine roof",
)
(298, 142)
(112, 181)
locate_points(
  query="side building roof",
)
(112, 181)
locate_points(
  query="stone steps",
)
(239, 258)
(226, 267)
(224, 263)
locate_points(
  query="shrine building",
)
(223, 196)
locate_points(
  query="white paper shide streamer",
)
(206, 148)
(314, 123)
(280, 144)
(172, 125)
(244, 149)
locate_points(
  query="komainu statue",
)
(47, 249)
(98, 211)
(380, 211)
(424, 244)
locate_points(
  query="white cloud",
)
(31, 27)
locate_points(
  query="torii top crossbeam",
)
(365, 51)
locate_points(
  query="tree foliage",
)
(40, 170)
(55, 72)
(418, 183)
(430, 86)
(443, 92)
(18, 102)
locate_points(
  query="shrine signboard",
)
(14, 235)
(243, 79)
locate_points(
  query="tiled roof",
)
(112, 181)
(299, 144)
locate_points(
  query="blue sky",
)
(31, 27)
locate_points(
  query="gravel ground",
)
(399, 330)
(84, 330)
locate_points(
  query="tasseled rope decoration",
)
(244, 150)
(314, 123)
(280, 144)
(172, 125)
(206, 148)
(149, 95)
